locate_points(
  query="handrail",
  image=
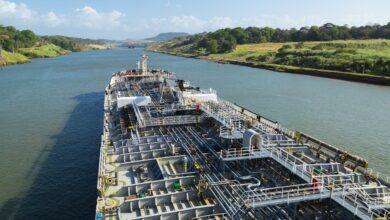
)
(371, 200)
(286, 192)
(350, 196)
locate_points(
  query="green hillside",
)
(19, 46)
(329, 47)
(43, 51)
(8, 58)
(357, 56)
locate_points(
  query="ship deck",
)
(173, 151)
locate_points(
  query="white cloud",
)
(81, 18)
(91, 18)
(188, 23)
(185, 22)
(88, 10)
(10, 9)
(53, 20)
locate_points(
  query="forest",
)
(225, 40)
(12, 39)
(364, 50)
(18, 46)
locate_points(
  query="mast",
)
(143, 64)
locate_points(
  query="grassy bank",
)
(19, 46)
(43, 51)
(8, 58)
(357, 60)
(46, 50)
(23, 55)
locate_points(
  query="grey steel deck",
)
(170, 150)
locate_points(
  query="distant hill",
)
(110, 42)
(147, 41)
(167, 36)
(135, 43)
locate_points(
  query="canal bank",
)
(355, 77)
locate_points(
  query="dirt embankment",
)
(356, 77)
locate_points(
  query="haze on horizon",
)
(121, 19)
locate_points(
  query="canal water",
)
(51, 117)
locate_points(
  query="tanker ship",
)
(171, 150)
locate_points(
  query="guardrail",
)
(234, 153)
(288, 194)
(102, 163)
(380, 199)
(355, 203)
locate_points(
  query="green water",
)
(51, 109)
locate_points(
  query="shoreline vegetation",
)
(329, 51)
(349, 76)
(18, 47)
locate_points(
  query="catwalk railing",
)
(225, 113)
(288, 194)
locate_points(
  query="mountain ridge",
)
(166, 36)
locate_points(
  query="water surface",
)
(51, 117)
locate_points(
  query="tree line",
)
(12, 39)
(70, 43)
(225, 40)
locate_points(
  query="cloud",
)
(185, 22)
(13, 10)
(91, 18)
(188, 23)
(53, 20)
(81, 18)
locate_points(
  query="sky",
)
(131, 19)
